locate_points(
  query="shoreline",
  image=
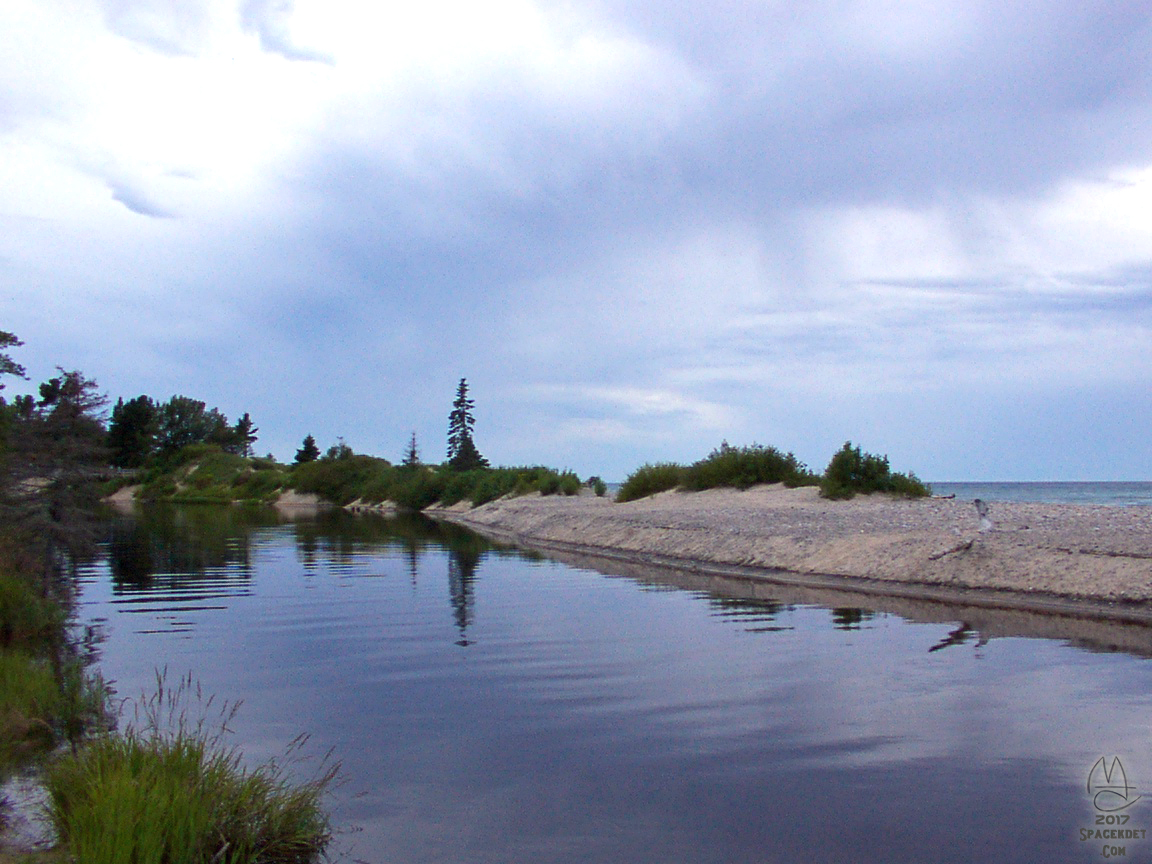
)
(1088, 561)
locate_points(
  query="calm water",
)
(492, 707)
(1117, 494)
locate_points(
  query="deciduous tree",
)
(132, 431)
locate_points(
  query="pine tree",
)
(243, 436)
(462, 452)
(309, 452)
(412, 453)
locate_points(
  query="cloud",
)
(271, 21)
(631, 224)
(138, 202)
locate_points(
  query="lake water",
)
(492, 706)
(1116, 494)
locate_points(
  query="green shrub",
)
(851, 471)
(549, 484)
(569, 484)
(742, 467)
(340, 480)
(597, 485)
(492, 484)
(169, 791)
(259, 485)
(649, 479)
(459, 486)
(416, 490)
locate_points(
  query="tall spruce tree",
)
(462, 452)
(412, 453)
(308, 452)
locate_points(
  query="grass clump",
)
(851, 471)
(742, 467)
(649, 479)
(30, 704)
(170, 791)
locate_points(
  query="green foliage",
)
(204, 473)
(342, 478)
(49, 466)
(411, 453)
(569, 484)
(415, 490)
(168, 790)
(649, 479)
(132, 431)
(308, 451)
(8, 366)
(184, 421)
(30, 703)
(742, 467)
(462, 452)
(597, 485)
(26, 617)
(243, 436)
(851, 471)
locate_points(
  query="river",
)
(489, 705)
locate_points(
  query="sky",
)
(637, 229)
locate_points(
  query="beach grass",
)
(169, 790)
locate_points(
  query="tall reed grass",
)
(169, 790)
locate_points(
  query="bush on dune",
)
(650, 479)
(851, 471)
(742, 467)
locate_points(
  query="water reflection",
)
(168, 561)
(491, 706)
(850, 618)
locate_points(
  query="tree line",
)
(150, 439)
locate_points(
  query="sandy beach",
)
(1033, 555)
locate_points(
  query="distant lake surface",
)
(1117, 494)
(492, 706)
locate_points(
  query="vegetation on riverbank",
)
(169, 789)
(849, 472)
(130, 796)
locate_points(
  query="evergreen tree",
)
(8, 366)
(132, 431)
(243, 436)
(462, 452)
(51, 465)
(309, 452)
(412, 453)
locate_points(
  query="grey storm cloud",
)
(769, 220)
